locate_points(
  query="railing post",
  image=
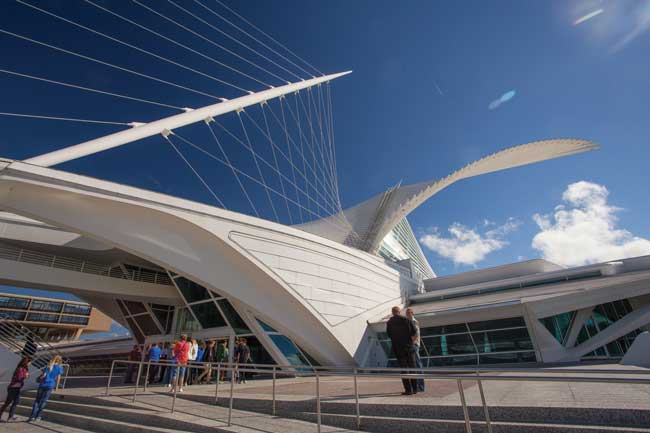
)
(356, 399)
(318, 414)
(175, 382)
(110, 377)
(232, 384)
(461, 392)
(146, 376)
(486, 411)
(273, 410)
(216, 386)
(65, 378)
(137, 381)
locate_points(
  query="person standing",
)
(181, 352)
(400, 330)
(134, 355)
(209, 356)
(154, 358)
(191, 368)
(13, 390)
(222, 358)
(243, 358)
(49, 380)
(416, 345)
(170, 369)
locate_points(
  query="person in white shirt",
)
(191, 372)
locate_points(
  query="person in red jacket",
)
(181, 352)
(13, 389)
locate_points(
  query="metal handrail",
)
(73, 264)
(401, 373)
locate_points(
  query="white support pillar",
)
(157, 127)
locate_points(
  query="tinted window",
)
(208, 315)
(46, 306)
(191, 291)
(77, 309)
(235, 320)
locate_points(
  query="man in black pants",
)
(400, 330)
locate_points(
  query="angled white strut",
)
(169, 123)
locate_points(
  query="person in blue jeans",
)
(154, 358)
(416, 345)
(48, 381)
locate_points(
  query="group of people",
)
(169, 359)
(404, 333)
(48, 381)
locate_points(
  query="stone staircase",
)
(394, 418)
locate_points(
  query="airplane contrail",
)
(588, 17)
(438, 88)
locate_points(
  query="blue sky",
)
(415, 108)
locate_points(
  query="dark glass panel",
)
(135, 307)
(591, 327)
(268, 328)
(447, 329)
(601, 320)
(582, 336)
(186, 321)
(147, 324)
(449, 361)
(507, 358)
(449, 345)
(512, 322)
(191, 291)
(164, 314)
(392, 363)
(258, 352)
(559, 324)
(11, 302)
(387, 346)
(43, 317)
(614, 349)
(74, 319)
(122, 307)
(77, 309)
(14, 315)
(622, 307)
(208, 315)
(233, 318)
(310, 358)
(380, 335)
(135, 331)
(289, 350)
(503, 341)
(46, 306)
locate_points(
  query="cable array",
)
(279, 155)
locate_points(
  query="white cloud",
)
(466, 246)
(584, 230)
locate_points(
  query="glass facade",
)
(235, 320)
(77, 309)
(78, 320)
(208, 315)
(11, 302)
(191, 291)
(54, 307)
(601, 317)
(288, 348)
(15, 315)
(43, 317)
(474, 343)
(400, 244)
(164, 314)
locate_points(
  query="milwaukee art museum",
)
(305, 280)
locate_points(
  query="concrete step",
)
(21, 426)
(79, 399)
(89, 423)
(389, 424)
(138, 413)
(588, 416)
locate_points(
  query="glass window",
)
(447, 329)
(387, 346)
(74, 319)
(147, 324)
(135, 307)
(135, 330)
(268, 328)
(122, 307)
(77, 309)
(289, 350)
(559, 324)
(46, 306)
(234, 319)
(503, 341)
(449, 361)
(11, 302)
(208, 315)
(601, 319)
(258, 352)
(191, 291)
(449, 345)
(14, 315)
(164, 314)
(186, 322)
(512, 322)
(43, 317)
(507, 358)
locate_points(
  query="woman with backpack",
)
(48, 381)
(13, 390)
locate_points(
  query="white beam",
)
(157, 127)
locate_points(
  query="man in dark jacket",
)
(400, 330)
